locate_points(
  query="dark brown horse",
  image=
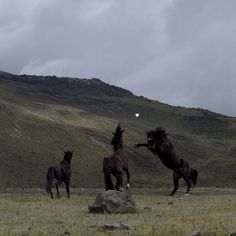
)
(117, 163)
(159, 144)
(61, 173)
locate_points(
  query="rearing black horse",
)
(117, 163)
(158, 144)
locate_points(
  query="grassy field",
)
(31, 212)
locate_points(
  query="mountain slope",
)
(42, 116)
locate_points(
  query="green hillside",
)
(42, 116)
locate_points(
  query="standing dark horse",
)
(61, 173)
(158, 144)
(117, 163)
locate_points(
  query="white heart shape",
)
(137, 115)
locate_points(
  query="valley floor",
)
(31, 212)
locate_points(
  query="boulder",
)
(113, 201)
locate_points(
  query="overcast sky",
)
(180, 52)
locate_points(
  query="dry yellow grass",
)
(31, 212)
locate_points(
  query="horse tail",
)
(107, 174)
(50, 176)
(194, 176)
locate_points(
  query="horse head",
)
(117, 139)
(68, 155)
(156, 136)
(161, 134)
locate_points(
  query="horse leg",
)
(58, 183)
(107, 174)
(50, 191)
(68, 187)
(51, 194)
(117, 186)
(119, 176)
(186, 173)
(119, 182)
(188, 184)
(128, 177)
(108, 180)
(50, 176)
(176, 178)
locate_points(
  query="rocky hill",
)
(40, 116)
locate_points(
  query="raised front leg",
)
(150, 148)
(176, 178)
(140, 145)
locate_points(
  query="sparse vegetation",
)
(31, 212)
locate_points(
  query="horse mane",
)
(161, 131)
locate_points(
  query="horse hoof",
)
(127, 186)
(186, 194)
(121, 189)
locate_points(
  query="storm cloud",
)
(180, 52)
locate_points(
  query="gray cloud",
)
(179, 52)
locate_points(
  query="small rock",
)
(66, 233)
(147, 208)
(195, 233)
(115, 226)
